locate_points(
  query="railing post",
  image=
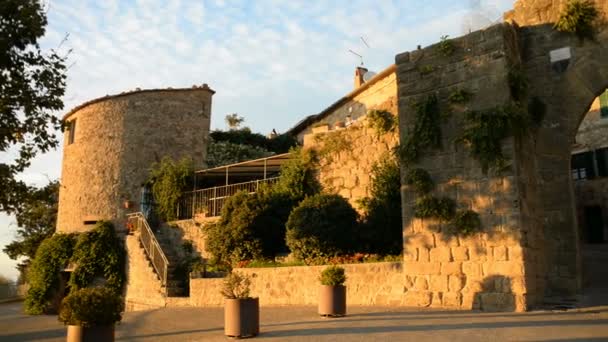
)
(214, 201)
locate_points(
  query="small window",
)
(581, 166)
(90, 222)
(604, 105)
(71, 131)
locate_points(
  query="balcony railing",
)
(211, 200)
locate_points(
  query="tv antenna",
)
(356, 54)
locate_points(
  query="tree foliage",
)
(322, 226)
(251, 227)
(36, 215)
(97, 306)
(169, 180)
(243, 136)
(382, 230)
(32, 83)
(225, 153)
(297, 175)
(234, 120)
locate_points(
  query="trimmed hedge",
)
(322, 226)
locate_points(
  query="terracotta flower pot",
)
(242, 317)
(332, 300)
(77, 333)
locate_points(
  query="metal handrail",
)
(151, 245)
(211, 200)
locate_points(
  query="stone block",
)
(441, 254)
(500, 253)
(421, 268)
(418, 298)
(471, 301)
(439, 283)
(497, 302)
(419, 240)
(421, 284)
(451, 268)
(452, 299)
(437, 300)
(472, 269)
(478, 252)
(424, 254)
(410, 254)
(456, 283)
(460, 253)
(516, 253)
(506, 268)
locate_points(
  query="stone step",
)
(177, 301)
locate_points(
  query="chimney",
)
(359, 72)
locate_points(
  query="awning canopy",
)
(257, 168)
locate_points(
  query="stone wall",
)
(117, 139)
(536, 12)
(367, 284)
(485, 270)
(192, 230)
(348, 154)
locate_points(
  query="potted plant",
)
(332, 295)
(241, 312)
(91, 313)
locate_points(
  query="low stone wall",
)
(192, 230)
(367, 284)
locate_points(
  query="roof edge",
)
(204, 87)
(300, 126)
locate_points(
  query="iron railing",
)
(210, 201)
(151, 246)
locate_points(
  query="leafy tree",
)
(381, 231)
(36, 216)
(234, 120)
(243, 136)
(32, 83)
(224, 153)
(297, 175)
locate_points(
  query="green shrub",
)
(446, 46)
(333, 276)
(419, 180)
(43, 277)
(466, 222)
(92, 307)
(381, 231)
(381, 121)
(578, 17)
(297, 175)
(225, 153)
(236, 286)
(169, 180)
(251, 226)
(432, 207)
(460, 96)
(321, 226)
(280, 144)
(99, 253)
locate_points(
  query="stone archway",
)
(528, 248)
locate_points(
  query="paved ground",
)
(302, 324)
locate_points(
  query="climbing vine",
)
(332, 143)
(578, 17)
(419, 180)
(381, 121)
(169, 180)
(97, 253)
(426, 131)
(432, 207)
(460, 96)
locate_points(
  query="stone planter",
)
(332, 300)
(77, 333)
(242, 317)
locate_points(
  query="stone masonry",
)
(528, 249)
(116, 140)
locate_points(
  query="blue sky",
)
(271, 61)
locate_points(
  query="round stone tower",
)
(111, 142)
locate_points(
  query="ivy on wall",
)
(97, 253)
(169, 180)
(426, 132)
(381, 121)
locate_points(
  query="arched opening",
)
(589, 171)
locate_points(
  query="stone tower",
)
(111, 142)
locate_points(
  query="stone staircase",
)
(176, 286)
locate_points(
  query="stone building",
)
(111, 142)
